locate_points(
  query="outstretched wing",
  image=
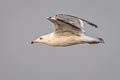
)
(72, 20)
(69, 23)
(66, 24)
(65, 27)
(77, 18)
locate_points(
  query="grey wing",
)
(75, 21)
(64, 27)
(68, 23)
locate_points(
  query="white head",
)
(41, 39)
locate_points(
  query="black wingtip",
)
(93, 25)
(90, 23)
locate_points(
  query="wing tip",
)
(90, 23)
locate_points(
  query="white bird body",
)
(61, 40)
(67, 32)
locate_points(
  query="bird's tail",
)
(98, 40)
(91, 40)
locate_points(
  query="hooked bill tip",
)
(32, 42)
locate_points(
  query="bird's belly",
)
(66, 41)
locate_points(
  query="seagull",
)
(69, 30)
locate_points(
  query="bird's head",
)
(41, 39)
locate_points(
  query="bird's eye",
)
(41, 38)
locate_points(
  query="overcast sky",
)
(24, 20)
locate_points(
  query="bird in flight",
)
(69, 30)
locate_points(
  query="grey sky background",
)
(24, 20)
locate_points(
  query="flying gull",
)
(69, 30)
